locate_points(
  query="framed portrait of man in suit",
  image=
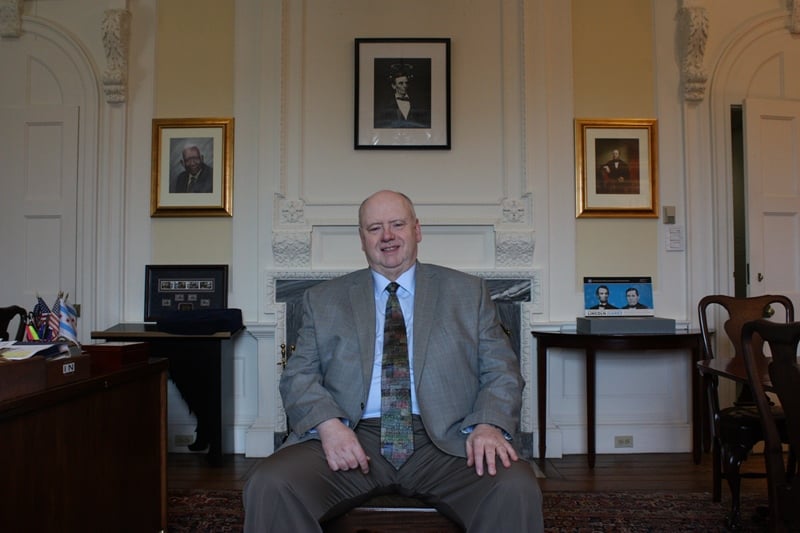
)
(616, 168)
(192, 167)
(402, 93)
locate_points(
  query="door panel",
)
(772, 169)
(38, 204)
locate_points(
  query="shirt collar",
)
(407, 281)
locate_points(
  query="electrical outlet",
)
(183, 440)
(623, 441)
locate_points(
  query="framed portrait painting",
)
(616, 168)
(402, 94)
(192, 167)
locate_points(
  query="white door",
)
(772, 173)
(38, 202)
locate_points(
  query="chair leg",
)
(791, 466)
(716, 489)
(733, 456)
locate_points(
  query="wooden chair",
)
(391, 513)
(782, 482)
(735, 429)
(7, 314)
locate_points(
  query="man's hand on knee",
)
(487, 443)
(341, 446)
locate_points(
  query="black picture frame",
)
(423, 67)
(170, 288)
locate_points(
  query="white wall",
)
(512, 142)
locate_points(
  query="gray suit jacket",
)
(465, 370)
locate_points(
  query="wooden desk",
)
(87, 456)
(692, 341)
(194, 366)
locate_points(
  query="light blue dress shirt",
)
(405, 294)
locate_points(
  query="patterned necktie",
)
(397, 439)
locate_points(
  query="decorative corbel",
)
(694, 25)
(116, 39)
(291, 249)
(514, 249)
(10, 18)
(794, 17)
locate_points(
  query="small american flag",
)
(41, 315)
(54, 320)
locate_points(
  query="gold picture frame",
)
(616, 168)
(192, 167)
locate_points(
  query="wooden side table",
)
(691, 341)
(195, 368)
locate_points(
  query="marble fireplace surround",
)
(516, 293)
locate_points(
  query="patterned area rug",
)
(220, 511)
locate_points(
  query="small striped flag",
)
(41, 315)
(30, 333)
(69, 321)
(54, 320)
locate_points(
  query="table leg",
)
(697, 403)
(591, 380)
(215, 443)
(541, 371)
(195, 368)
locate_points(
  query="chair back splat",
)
(7, 314)
(784, 376)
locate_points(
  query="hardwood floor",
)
(675, 472)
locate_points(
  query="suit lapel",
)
(426, 296)
(362, 301)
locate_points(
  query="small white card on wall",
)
(675, 239)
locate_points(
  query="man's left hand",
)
(485, 445)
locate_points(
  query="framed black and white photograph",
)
(192, 167)
(169, 288)
(402, 94)
(616, 168)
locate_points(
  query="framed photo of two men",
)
(192, 167)
(402, 94)
(616, 168)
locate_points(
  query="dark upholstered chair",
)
(782, 482)
(735, 429)
(7, 315)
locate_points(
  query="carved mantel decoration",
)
(794, 17)
(694, 29)
(116, 40)
(292, 211)
(10, 18)
(292, 249)
(514, 249)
